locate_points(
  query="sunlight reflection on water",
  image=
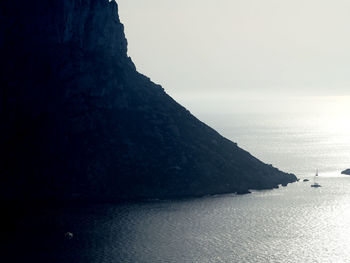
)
(293, 224)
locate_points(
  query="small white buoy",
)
(68, 235)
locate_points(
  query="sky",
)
(242, 52)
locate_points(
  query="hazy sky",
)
(235, 48)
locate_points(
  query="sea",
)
(298, 135)
(297, 223)
(294, 143)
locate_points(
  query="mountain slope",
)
(78, 120)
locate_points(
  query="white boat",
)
(315, 184)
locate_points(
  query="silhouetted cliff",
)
(78, 120)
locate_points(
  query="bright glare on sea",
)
(297, 135)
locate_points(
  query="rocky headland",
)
(347, 172)
(79, 121)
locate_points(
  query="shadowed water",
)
(291, 224)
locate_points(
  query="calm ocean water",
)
(295, 142)
(296, 223)
(291, 224)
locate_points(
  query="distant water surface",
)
(295, 138)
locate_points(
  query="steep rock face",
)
(78, 120)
